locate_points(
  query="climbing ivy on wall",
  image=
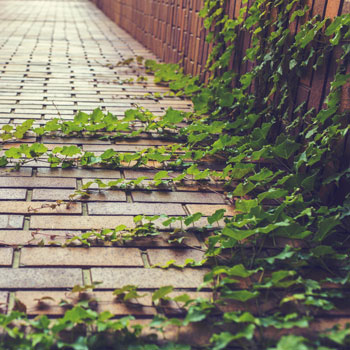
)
(283, 259)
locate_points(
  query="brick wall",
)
(173, 30)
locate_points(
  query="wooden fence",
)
(173, 30)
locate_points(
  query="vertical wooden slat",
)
(173, 30)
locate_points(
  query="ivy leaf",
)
(162, 292)
(240, 318)
(273, 193)
(246, 80)
(340, 80)
(331, 29)
(3, 161)
(325, 227)
(242, 189)
(173, 116)
(70, 151)
(286, 149)
(13, 152)
(240, 271)
(245, 205)
(161, 175)
(240, 295)
(201, 101)
(81, 118)
(97, 115)
(108, 154)
(37, 149)
(338, 336)
(193, 218)
(218, 215)
(195, 314)
(289, 342)
(78, 314)
(222, 339)
(262, 175)
(285, 254)
(226, 99)
(7, 128)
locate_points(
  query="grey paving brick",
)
(135, 209)
(178, 197)
(148, 278)
(43, 278)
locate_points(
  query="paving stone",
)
(101, 196)
(163, 256)
(94, 256)
(43, 278)
(79, 222)
(47, 302)
(165, 239)
(195, 186)
(79, 173)
(173, 308)
(32, 182)
(10, 172)
(135, 209)
(148, 278)
(34, 237)
(117, 148)
(208, 210)
(3, 302)
(74, 140)
(145, 185)
(202, 222)
(13, 193)
(195, 334)
(11, 221)
(177, 197)
(134, 174)
(17, 207)
(6, 257)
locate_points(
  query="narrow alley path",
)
(58, 57)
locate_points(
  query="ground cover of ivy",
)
(283, 260)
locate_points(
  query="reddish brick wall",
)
(173, 30)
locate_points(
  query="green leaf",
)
(273, 193)
(70, 151)
(325, 227)
(108, 154)
(240, 271)
(222, 339)
(193, 218)
(218, 215)
(173, 116)
(226, 99)
(291, 342)
(243, 188)
(287, 253)
(162, 292)
(78, 314)
(7, 128)
(163, 174)
(13, 152)
(286, 149)
(3, 161)
(240, 295)
(246, 80)
(245, 205)
(37, 149)
(338, 335)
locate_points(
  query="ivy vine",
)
(283, 259)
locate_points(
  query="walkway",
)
(59, 56)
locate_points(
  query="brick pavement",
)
(54, 57)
